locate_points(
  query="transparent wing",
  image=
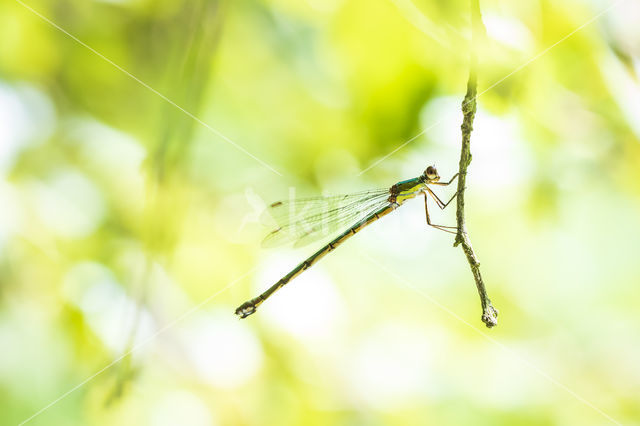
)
(307, 219)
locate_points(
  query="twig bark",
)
(489, 313)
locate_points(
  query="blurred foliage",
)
(129, 231)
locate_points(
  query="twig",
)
(489, 313)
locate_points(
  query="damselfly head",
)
(431, 174)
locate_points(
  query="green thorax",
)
(408, 189)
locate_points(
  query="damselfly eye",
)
(431, 173)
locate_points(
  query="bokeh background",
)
(130, 231)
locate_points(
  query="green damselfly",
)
(304, 220)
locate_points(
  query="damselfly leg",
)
(440, 227)
(440, 204)
(438, 201)
(445, 183)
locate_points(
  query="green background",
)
(123, 216)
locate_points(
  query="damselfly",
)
(305, 220)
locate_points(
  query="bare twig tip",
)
(490, 316)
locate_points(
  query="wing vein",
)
(305, 220)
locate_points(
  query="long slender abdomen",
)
(250, 306)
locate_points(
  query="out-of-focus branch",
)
(489, 313)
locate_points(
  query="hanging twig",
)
(489, 313)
